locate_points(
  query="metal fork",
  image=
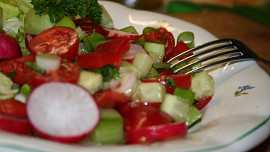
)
(214, 53)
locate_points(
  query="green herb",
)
(57, 9)
(35, 67)
(170, 82)
(11, 74)
(108, 72)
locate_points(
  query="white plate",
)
(230, 123)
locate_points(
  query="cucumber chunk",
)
(177, 107)
(203, 85)
(143, 62)
(67, 22)
(91, 81)
(194, 116)
(110, 128)
(156, 50)
(152, 92)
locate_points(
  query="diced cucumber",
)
(203, 85)
(143, 62)
(35, 24)
(92, 41)
(48, 62)
(130, 29)
(153, 73)
(110, 128)
(128, 66)
(186, 94)
(156, 50)
(194, 116)
(106, 19)
(91, 81)
(67, 22)
(25, 89)
(152, 92)
(80, 32)
(177, 107)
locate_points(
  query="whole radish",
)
(62, 112)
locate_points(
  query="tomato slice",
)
(153, 36)
(106, 53)
(15, 65)
(110, 99)
(88, 25)
(145, 116)
(125, 108)
(181, 81)
(15, 125)
(203, 102)
(13, 107)
(169, 43)
(58, 40)
(155, 133)
(67, 72)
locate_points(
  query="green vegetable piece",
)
(80, 32)
(161, 65)
(193, 117)
(35, 24)
(125, 66)
(139, 41)
(10, 8)
(187, 37)
(131, 29)
(108, 72)
(106, 19)
(151, 29)
(110, 128)
(67, 22)
(156, 51)
(6, 87)
(24, 5)
(177, 107)
(25, 89)
(92, 41)
(186, 94)
(153, 73)
(57, 9)
(35, 67)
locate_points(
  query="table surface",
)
(224, 24)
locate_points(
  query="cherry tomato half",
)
(155, 133)
(58, 40)
(13, 108)
(110, 99)
(144, 116)
(67, 72)
(15, 65)
(180, 80)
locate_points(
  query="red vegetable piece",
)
(106, 53)
(169, 43)
(58, 40)
(125, 108)
(88, 25)
(13, 107)
(145, 116)
(67, 72)
(181, 81)
(15, 125)
(9, 47)
(110, 99)
(203, 102)
(17, 66)
(155, 133)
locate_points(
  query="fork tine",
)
(214, 49)
(236, 58)
(230, 51)
(215, 42)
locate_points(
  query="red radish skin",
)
(9, 47)
(15, 125)
(134, 48)
(116, 34)
(62, 112)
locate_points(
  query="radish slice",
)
(62, 112)
(115, 34)
(134, 48)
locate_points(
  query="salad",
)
(71, 76)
